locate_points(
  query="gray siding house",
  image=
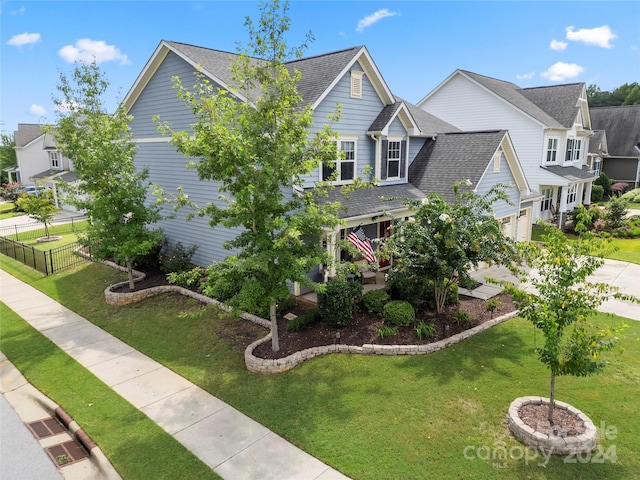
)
(622, 128)
(401, 145)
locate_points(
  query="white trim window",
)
(552, 150)
(54, 160)
(545, 204)
(572, 193)
(597, 164)
(345, 166)
(394, 149)
(574, 150)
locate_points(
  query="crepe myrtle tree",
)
(110, 189)
(40, 207)
(443, 241)
(560, 300)
(254, 141)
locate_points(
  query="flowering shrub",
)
(12, 191)
(177, 258)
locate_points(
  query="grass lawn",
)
(626, 249)
(29, 237)
(138, 448)
(6, 211)
(408, 417)
(66, 239)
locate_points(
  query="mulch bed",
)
(565, 424)
(361, 330)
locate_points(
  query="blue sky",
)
(415, 44)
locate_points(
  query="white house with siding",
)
(377, 133)
(550, 128)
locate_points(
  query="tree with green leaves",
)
(257, 151)
(110, 189)
(7, 156)
(442, 242)
(626, 94)
(40, 207)
(560, 299)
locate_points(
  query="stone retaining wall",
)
(279, 365)
(552, 444)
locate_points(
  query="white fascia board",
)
(514, 164)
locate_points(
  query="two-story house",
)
(550, 128)
(400, 145)
(40, 163)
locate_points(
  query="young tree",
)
(40, 207)
(562, 303)
(443, 241)
(7, 156)
(258, 150)
(111, 191)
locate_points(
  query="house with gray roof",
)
(550, 128)
(622, 128)
(40, 162)
(380, 137)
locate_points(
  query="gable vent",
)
(356, 84)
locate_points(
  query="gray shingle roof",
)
(622, 125)
(317, 72)
(514, 95)
(571, 173)
(27, 133)
(372, 201)
(384, 117)
(453, 157)
(594, 141)
(559, 101)
(428, 123)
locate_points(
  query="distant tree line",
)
(627, 94)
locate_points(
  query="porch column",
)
(562, 211)
(587, 194)
(332, 250)
(55, 194)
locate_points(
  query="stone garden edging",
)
(552, 444)
(270, 366)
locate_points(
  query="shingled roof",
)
(428, 123)
(373, 201)
(454, 157)
(27, 133)
(622, 126)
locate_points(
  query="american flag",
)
(362, 243)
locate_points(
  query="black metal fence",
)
(45, 261)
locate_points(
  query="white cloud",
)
(19, 11)
(37, 110)
(87, 50)
(599, 36)
(557, 45)
(24, 39)
(375, 17)
(525, 76)
(560, 71)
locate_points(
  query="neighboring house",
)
(377, 133)
(40, 162)
(550, 128)
(598, 151)
(622, 127)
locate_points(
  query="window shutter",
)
(385, 156)
(403, 158)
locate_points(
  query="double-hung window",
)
(552, 150)
(54, 160)
(344, 169)
(577, 146)
(545, 205)
(393, 159)
(569, 154)
(572, 193)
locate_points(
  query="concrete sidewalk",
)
(232, 444)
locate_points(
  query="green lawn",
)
(407, 417)
(7, 211)
(625, 249)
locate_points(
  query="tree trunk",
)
(552, 395)
(132, 284)
(275, 342)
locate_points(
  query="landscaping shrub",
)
(375, 300)
(619, 188)
(398, 313)
(401, 287)
(12, 191)
(187, 279)
(386, 331)
(632, 196)
(615, 212)
(605, 182)
(597, 193)
(492, 305)
(462, 318)
(221, 281)
(177, 258)
(303, 321)
(425, 330)
(356, 291)
(335, 304)
(150, 261)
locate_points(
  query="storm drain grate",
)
(46, 428)
(66, 453)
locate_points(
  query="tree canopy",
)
(7, 156)
(627, 94)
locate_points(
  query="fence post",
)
(51, 260)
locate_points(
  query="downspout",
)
(376, 161)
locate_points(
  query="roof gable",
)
(562, 102)
(27, 133)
